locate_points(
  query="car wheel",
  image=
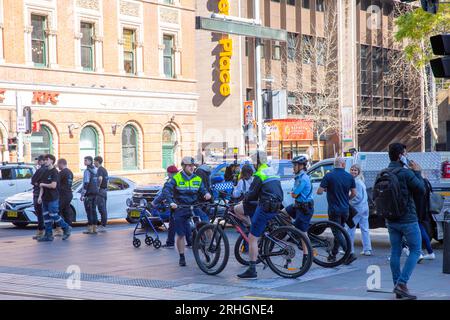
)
(20, 224)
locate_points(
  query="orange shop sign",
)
(43, 97)
(289, 130)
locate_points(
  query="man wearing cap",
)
(184, 188)
(35, 181)
(266, 190)
(161, 197)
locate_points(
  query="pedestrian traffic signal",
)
(441, 47)
(28, 120)
(430, 6)
(12, 144)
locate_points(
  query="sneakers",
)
(366, 253)
(401, 292)
(67, 232)
(58, 232)
(90, 230)
(182, 261)
(39, 234)
(430, 256)
(46, 238)
(420, 258)
(168, 246)
(101, 228)
(248, 274)
(351, 258)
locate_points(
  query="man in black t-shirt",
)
(49, 198)
(35, 181)
(102, 193)
(65, 191)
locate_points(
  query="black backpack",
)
(389, 201)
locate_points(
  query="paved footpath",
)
(111, 268)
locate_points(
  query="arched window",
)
(41, 142)
(88, 143)
(168, 147)
(129, 148)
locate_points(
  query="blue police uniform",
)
(265, 188)
(303, 208)
(183, 190)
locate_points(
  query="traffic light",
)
(12, 144)
(441, 47)
(430, 6)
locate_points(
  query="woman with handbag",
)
(361, 206)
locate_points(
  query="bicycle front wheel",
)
(287, 252)
(211, 249)
(331, 243)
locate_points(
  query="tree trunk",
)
(319, 149)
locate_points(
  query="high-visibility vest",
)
(266, 174)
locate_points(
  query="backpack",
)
(93, 186)
(389, 201)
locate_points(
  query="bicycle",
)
(276, 243)
(195, 221)
(326, 238)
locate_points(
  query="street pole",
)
(258, 89)
(19, 113)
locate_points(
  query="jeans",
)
(363, 220)
(38, 213)
(426, 238)
(89, 206)
(51, 215)
(411, 233)
(65, 210)
(339, 239)
(100, 201)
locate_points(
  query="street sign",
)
(240, 28)
(347, 124)
(21, 124)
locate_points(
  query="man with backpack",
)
(89, 194)
(394, 192)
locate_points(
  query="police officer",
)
(303, 208)
(184, 188)
(65, 191)
(89, 194)
(266, 189)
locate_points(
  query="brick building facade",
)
(102, 77)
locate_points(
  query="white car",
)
(15, 178)
(19, 210)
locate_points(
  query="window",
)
(129, 148)
(292, 45)
(168, 1)
(168, 147)
(115, 184)
(247, 46)
(317, 174)
(306, 49)
(364, 73)
(24, 173)
(41, 142)
(365, 4)
(39, 40)
(305, 4)
(377, 70)
(87, 46)
(88, 144)
(168, 56)
(276, 50)
(129, 51)
(321, 51)
(291, 2)
(263, 48)
(320, 5)
(6, 174)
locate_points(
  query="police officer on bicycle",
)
(266, 189)
(184, 188)
(303, 208)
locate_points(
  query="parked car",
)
(148, 193)
(15, 178)
(18, 209)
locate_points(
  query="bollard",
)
(446, 255)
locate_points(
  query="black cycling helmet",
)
(300, 160)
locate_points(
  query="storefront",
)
(137, 133)
(288, 138)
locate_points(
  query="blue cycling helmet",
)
(300, 160)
